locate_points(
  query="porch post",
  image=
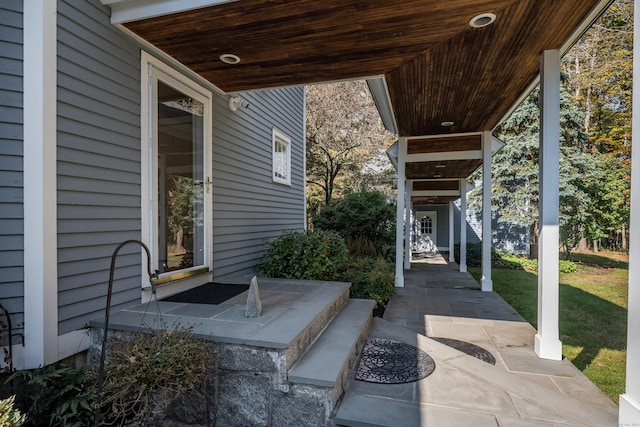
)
(402, 150)
(409, 226)
(452, 257)
(463, 225)
(629, 413)
(547, 342)
(487, 283)
(40, 244)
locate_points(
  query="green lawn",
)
(593, 313)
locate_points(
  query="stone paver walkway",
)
(520, 390)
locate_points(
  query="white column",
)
(452, 257)
(409, 225)
(40, 246)
(463, 225)
(547, 342)
(402, 150)
(486, 283)
(629, 414)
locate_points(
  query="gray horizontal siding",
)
(249, 209)
(11, 172)
(98, 168)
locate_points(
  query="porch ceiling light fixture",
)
(230, 58)
(440, 166)
(482, 20)
(236, 102)
(446, 124)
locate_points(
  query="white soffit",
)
(133, 10)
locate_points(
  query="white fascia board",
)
(449, 155)
(392, 153)
(496, 144)
(134, 10)
(443, 136)
(433, 193)
(380, 94)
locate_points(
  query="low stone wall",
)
(244, 386)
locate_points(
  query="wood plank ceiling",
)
(436, 66)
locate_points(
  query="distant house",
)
(102, 141)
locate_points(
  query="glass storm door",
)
(179, 174)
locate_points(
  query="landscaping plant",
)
(317, 255)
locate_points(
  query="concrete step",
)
(328, 360)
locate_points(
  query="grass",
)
(593, 313)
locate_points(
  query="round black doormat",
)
(392, 362)
(468, 348)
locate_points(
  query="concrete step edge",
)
(326, 360)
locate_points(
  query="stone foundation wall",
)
(245, 386)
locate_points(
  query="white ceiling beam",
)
(440, 157)
(133, 10)
(435, 193)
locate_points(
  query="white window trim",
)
(149, 165)
(279, 136)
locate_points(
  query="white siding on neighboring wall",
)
(98, 162)
(248, 207)
(11, 151)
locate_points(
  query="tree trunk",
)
(595, 246)
(583, 246)
(624, 237)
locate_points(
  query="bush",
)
(474, 254)
(365, 214)
(57, 395)
(370, 279)
(516, 262)
(10, 416)
(318, 255)
(147, 371)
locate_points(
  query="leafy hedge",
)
(319, 255)
(323, 255)
(506, 260)
(370, 279)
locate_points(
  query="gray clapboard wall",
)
(249, 209)
(11, 151)
(98, 162)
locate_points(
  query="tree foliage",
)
(363, 214)
(345, 142)
(595, 141)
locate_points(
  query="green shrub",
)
(370, 279)
(57, 395)
(474, 254)
(10, 416)
(516, 262)
(318, 255)
(363, 214)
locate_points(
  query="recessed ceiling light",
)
(229, 58)
(447, 123)
(440, 166)
(437, 176)
(482, 20)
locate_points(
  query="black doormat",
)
(393, 362)
(468, 348)
(209, 293)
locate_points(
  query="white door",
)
(426, 226)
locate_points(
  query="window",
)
(281, 158)
(426, 225)
(176, 171)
